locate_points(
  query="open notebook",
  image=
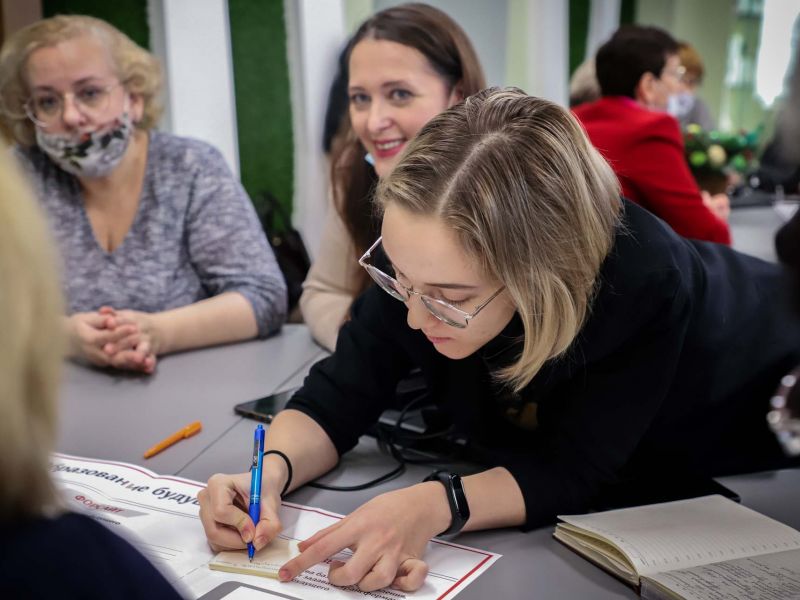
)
(701, 549)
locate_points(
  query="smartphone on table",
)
(264, 409)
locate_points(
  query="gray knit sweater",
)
(195, 235)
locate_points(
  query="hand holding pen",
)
(228, 520)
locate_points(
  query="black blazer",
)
(684, 345)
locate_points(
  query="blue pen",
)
(255, 483)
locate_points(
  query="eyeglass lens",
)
(47, 107)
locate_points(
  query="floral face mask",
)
(93, 154)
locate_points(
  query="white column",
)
(548, 49)
(603, 22)
(193, 41)
(315, 32)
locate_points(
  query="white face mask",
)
(679, 105)
(93, 154)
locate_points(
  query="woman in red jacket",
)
(638, 70)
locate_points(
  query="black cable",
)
(393, 441)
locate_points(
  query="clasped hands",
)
(388, 534)
(123, 339)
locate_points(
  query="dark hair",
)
(450, 54)
(630, 53)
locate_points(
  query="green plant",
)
(712, 153)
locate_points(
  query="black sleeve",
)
(347, 392)
(594, 421)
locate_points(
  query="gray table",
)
(753, 231)
(534, 565)
(117, 416)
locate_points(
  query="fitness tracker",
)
(456, 498)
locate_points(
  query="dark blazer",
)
(74, 557)
(646, 151)
(684, 344)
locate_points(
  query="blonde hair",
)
(529, 198)
(30, 350)
(136, 68)
(691, 61)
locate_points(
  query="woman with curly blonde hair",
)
(160, 245)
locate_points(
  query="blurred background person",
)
(686, 105)
(38, 537)
(583, 85)
(161, 247)
(639, 70)
(405, 65)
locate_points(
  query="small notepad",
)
(266, 561)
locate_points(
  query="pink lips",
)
(437, 340)
(387, 152)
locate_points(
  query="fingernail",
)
(260, 541)
(283, 575)
(247, 536)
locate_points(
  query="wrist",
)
(437, 506)
(276, 474)
(158, 330)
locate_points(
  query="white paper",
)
(766, 577)
(159, 514)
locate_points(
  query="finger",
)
(411, 575)
(112, 336)
(318, 536)
(145, 346)
(365, 572)
(129, 342)
(94, 319)
(107, 310)
(94, 355)
(149, 365)
(268, 526)
(128, 359)
(220, 537)
(323, 548)
(222, 492)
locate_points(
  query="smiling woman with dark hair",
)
(405, 65)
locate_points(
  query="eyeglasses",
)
(45, 108)
(444, 311)
(678, 73)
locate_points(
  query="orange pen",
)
(186, 432)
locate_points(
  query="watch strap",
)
(456, 499)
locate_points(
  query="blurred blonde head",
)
(136, 68)
(30, 350)
(692, 64)
(530, 200)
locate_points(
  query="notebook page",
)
(687, 533)
(766, 577)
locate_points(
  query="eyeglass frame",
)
(423, 297)
(30, 113)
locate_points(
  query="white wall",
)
(485, 22)
(192, 39)
(315, 31)
(547, 49)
